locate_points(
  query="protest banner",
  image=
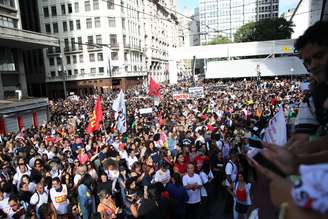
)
(180, 96)
(196, 92)
(145, 110)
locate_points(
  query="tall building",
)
(195, 28)
(16, 109)
(161, 33)
(307, 13)
(224, 17)
(106, 43)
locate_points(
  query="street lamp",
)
(64, 74)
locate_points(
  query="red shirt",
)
(182, 168)
(200, 159)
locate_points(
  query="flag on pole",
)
(120, 112)
(154, 89)
(96, 117)
(276, 132)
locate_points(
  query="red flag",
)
(154, 89)
(96, 117)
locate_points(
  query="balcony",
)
(114, 46)
(136, 47)
(53, 51)
(74, 77)
(124, 74)
(127, 45)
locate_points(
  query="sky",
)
(284, 5)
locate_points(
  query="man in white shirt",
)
(192, 183)
(39, 198)
(58, 196)
(231, 171)
(163, 174)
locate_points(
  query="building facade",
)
(224, 17)
(16, 109)
(105, 43)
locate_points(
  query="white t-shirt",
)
(131, 161)
(194, 196)
(232, 170)
(205, 178)
(77, 179)
(4, 203)
(59, 200)
(163, 177)
(38, 200)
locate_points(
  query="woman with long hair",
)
(85, 196)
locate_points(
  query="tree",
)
(267, 29)
(219, 40)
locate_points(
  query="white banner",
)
(276, 132)
(145, 110)
(196, 92)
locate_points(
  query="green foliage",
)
(219, 40)
(267, 29)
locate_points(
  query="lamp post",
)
(64, 74)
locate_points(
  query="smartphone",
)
(260, 159)
(255, 143)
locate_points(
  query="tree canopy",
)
(267, 29)
(219, 40)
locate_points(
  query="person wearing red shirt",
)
(180, 166)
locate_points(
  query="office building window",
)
(101, 70)
(115, 56)
(87, 6)
(53, 74)
(59, 61)
(48, 28)
(76, 7)
(76, 71)
(100, 57)
(66, 43)
(79, 41)
(70, 9)
(89, 23)
(71, 25)
(53, 11)
(113, 39)
(46, 12)
(78, 25)
(51, 61)
(90, 42)
(69, 72)
(81, 58)
(98, 39)
(64, 26)
(63, 9)
(97, 22)
(110, 4)
(68, 60)
(82, 71)
(74, 59)
(93, 70)
(95, 4)
(73, 44)
(92, 57)
(55, 27)
(111, 22)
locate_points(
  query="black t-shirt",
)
(106, 186)
(150, 209)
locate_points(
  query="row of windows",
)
(8, 22)
(70, 72)
(68, 8)
(8, 3)
(69, 25)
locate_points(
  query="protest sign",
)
(196, 92)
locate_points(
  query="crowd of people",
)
(180, 159)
